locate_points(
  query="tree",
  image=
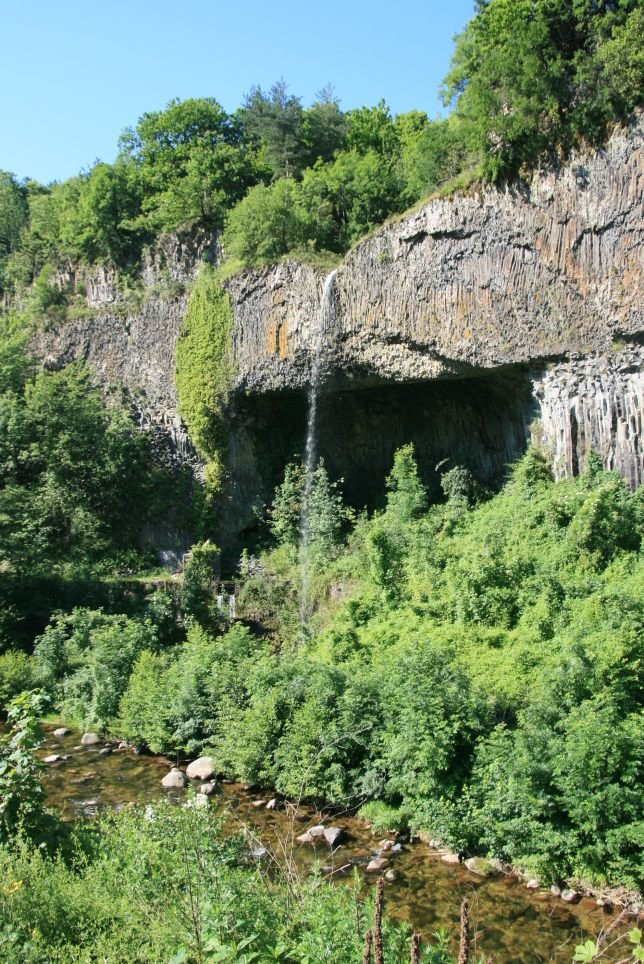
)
(346, 198)
(267, 224)
(21, 793)
(527, 79)
(276, 120)
(372, 129)
(14, 214)
(324, 127)
(189, 162)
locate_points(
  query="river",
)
(511, 923)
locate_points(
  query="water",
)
(511, 923)
(326, 318)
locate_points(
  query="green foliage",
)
(383, 818)
(197, 601)
(528, 80)
(189, 162)
(387, 539)
(16, 675)
(266, 224)
(276, 120)
(204, 371)
(14, 214)
(84, 661)
(178, 701)
(323, 516)
(21, 793)
(482, 676)
(170, 886)
(76, 485)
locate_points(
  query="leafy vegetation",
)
(76, 485)
(470, 668)
(204, 372)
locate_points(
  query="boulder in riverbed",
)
(305, 838)
(201, 769)
(333, 835)
(62, 731)
(90, 739)
(481, 867)
(317, 831)
(570, 896)
(174, 780)
(450, 858)
(52, 758)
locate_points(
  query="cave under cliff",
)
(481, 422)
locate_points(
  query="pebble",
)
(377, 864)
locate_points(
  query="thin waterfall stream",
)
(325, 319)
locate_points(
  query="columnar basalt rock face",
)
(131, 347)
(493, 277)
(594, 403)
(519, 301)
(541, 277)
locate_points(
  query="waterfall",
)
(326, 318)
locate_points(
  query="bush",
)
(84, 660)
(17, 673)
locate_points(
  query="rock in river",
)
(90, 739)
(208, 789)
(174, 780)
(201, 769)
(377, 864)
(332, 835)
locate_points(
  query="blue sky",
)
(73, 75)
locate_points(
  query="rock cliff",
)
(463, 326)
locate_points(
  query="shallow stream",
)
(512, 923)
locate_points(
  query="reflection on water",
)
(512, 924)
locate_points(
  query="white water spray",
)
(326, 318)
